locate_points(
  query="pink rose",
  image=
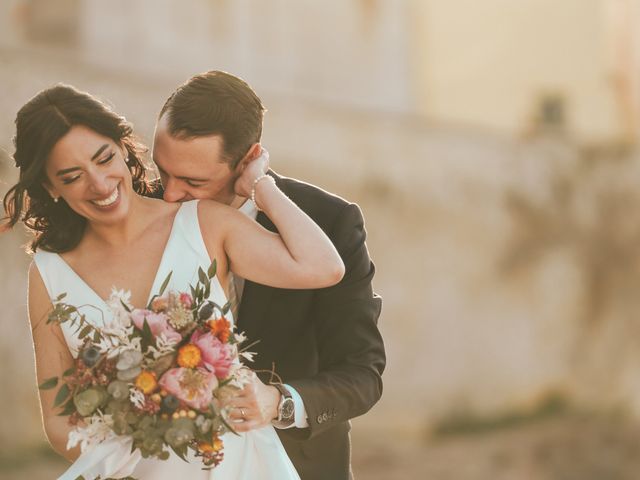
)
(186, 300)
(158, 323)
(217, 357)
(192, 386)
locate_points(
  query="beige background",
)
(492, 147)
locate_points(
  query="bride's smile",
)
(110, 201)
(89, 172)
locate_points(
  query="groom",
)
(323, 344)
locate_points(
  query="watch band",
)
(286, 400)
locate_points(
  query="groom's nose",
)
(171, 191)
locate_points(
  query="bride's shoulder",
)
(210, 209)
(215, 219)
(38, 297)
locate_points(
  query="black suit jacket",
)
(324, 343)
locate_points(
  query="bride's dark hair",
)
(40, 124)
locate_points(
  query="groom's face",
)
(193, 167)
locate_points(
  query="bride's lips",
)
(110, 202)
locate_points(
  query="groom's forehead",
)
(191, 157)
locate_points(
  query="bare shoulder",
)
(215, 217)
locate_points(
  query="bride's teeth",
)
(107, 201)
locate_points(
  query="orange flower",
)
(221, 328)
(146, 382)
(189, 356)
(160, 304)
(217, 444)
(205, 447)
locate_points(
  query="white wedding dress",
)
(256, 455)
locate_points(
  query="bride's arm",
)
(300, 256)
(52, 359)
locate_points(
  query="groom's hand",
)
(255, 406)
(252, 170)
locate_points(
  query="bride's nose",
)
(99, 184)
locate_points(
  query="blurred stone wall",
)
(486, 244)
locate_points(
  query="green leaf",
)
(85, 331)
(96, 336)
(180, 451)
(229, 427)
(226, 308)
(62, 395)
(202, 276)
(147, 336)
(68, 408)
(61, 296)
(49, 383)
(125, 306)
(212, 269)
(69, 371)
(163, 287)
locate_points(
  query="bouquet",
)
(159, 375)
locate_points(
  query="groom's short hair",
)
(216, 103)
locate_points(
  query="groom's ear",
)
(253, 153)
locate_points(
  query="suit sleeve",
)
(350, 347)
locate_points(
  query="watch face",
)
(287, 409)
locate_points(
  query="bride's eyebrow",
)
(73, 169)
(99, 151)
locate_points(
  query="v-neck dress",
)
(255, 455)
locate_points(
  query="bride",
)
(80, 191)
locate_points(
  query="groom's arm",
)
(350, 347)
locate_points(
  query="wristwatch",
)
(286, 408)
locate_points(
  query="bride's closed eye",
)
(104, 161)
(107, 160)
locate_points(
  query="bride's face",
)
(89, 172)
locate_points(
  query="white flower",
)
(97, 430)
(248, 355)
(239, 337)
(136, 397)
(240, 375)
(164, 346)
(117, 327)
(118, 297)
